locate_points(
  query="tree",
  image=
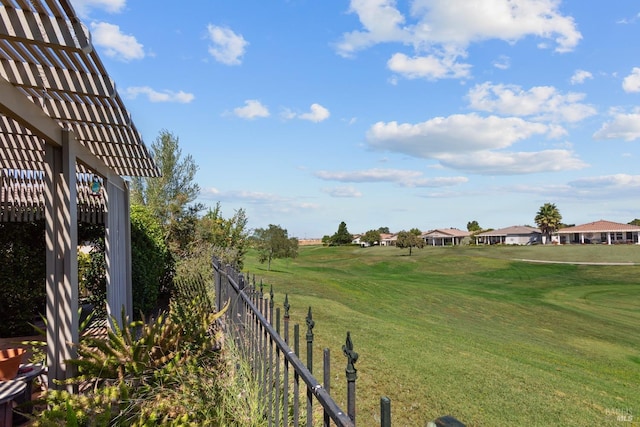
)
(171, 197)
(228, 237)
(635, 222)
(383, 230)
(473, 226)
(273, 243)
(410, 239)
(342, 236)
(548, 219)
(371, 237)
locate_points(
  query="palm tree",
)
(548, 219)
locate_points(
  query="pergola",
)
(63, 130)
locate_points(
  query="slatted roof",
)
(46, 53)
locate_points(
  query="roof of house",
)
(601, 226)
(388, 236)
(510, 231)
(446, 232)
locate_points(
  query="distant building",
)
(445, 236)
(606, 232)
(515, 235)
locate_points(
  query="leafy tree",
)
(371, 237)
(226, 236)
(172, 196)
(273, 243)
(342, 236)
(635, 222)
(383, 230)
(548, 219)
(410, 239)
(473, 226)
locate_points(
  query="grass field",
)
(472, 332)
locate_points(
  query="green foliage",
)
(371, 237)
(548, 219)
(384, 230)
(95, 278)
(635, 222)
(473, 226)
(228, 237)
(171, 197)
(22, 276)
(274, 243)
(152, 264)
(170, 371)
(410, 239)
(341, 236)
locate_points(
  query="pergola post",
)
(62, 258)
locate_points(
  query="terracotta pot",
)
(10, 360)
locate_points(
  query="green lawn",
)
(472, 332)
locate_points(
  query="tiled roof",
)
(601, 226)
(447, 232)
(510, 231)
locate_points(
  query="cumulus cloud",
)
(116, 44)
(317, 113)
(347, 192)
(430, 67)
(621, 126)
(440, 31)
(405, 178)
(539, 102)
(228, 47)
(631, 83)
(155, 96)
(252, 109)
(516, 163)
(456, 133)
(580, 76)
(83, 7)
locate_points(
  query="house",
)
(600, 232)
(515, 235)
(445, 236)
(388, 239)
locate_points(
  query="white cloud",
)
(504, 163)
(252, 109)
(405, 178)
(442, 30)
(349, 192)
(502, 63)
(430, 67)
(608, 181)
(116, 44)
(82, 7)
(454, 134)
(539, 102)
(580, 76)
(155, 96)
(317, 114)
(631, 83)
(228, 47)
(622, 126)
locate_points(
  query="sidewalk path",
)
(576, 262)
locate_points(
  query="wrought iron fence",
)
(289, 392)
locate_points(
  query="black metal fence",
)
(289, 392)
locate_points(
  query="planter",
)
(10, 360)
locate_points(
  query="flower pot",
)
(10, 360)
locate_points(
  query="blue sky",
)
(402, 114)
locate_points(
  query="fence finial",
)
(310, 325)
(271, 296)
(286, 306)
(352, 358)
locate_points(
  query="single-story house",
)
(387, 239)
(515, 235)
(600, 232)
(445, 236)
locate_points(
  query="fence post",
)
(326, 363)
(271, 305)
(310, 325)
(351, 371)
(385, 412)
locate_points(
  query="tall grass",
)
(473, 332)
